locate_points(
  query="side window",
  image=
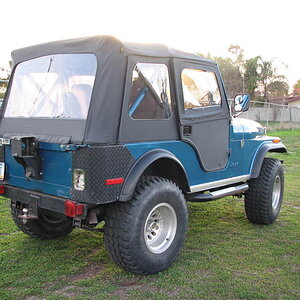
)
(150, 92)
(200, 88)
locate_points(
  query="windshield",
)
(53, 86)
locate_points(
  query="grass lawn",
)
(224, 257)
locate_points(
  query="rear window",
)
(52, 86)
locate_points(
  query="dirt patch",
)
(273, 270)
(123, 291)
(296, 207)
(200, 250)
(89, 271)
(136, 284)
(203, 274)
(70, 291)
(296, 268)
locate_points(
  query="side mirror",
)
(240, 104)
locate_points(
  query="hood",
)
(251, 128)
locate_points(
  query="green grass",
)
(224, 257)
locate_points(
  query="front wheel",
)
(264, 197)
(145, 234)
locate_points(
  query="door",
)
(203, 112)
(148, 110)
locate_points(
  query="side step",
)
(230, 191)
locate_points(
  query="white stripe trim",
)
(214, 184)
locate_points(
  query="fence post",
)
(282, 108)
(268, 114)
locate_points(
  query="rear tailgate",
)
(56, 177)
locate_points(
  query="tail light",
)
(2, 189)
(72, 209)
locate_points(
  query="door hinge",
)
(242, 143)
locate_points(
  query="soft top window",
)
(150, 92)
(53, 86)
(200, 88)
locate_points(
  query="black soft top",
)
(102, 124)
(98, 44)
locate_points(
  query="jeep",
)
(98, 130)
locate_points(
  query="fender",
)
(140, 166)
(260, 155)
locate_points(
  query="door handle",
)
(187, 130)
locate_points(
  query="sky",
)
(260, 27)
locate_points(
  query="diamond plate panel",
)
(101, 163)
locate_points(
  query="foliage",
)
(256, 76)
(296, 88)
(266, 73)
(262, 81)
(5, 73)
(231, 76)
(251, 75)
(278, 88)
(238, 53)
(2, 90)
(5, 76)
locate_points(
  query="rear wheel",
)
(45, 227)
(145, 234)
(264, 197)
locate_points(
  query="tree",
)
(4, 75)
(296, 88)
(238, 53)
(266, 75)
(231, 75)
(256, 76)
(239, 61)
(231, 69)
(278, 88)
(251, 75)
(262, 80)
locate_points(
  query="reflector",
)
(276, 141)
(114, 181)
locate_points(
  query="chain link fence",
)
(270, 114)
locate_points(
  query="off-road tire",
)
(45, 227)
(125, 231)
(264, 198)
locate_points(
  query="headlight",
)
(78, 179)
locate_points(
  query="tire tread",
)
(117, 228)
(257, 198)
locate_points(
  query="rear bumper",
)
(36, 200)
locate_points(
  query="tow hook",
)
(25, 216)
